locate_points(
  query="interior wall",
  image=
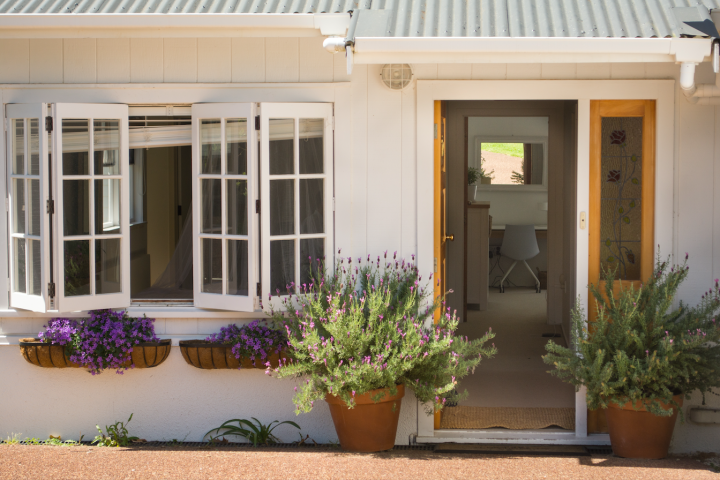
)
(161, 208)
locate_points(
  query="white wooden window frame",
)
(296, 111)
(93, 300)
(223, 112)
(38, 111)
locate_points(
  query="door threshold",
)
(537, 437)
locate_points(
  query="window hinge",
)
(51, 207)
(257, 206)
(259, 290)
(51, 290)
(48, 124)
(257, 122)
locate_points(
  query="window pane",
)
(237, 221)
(211, 206)
(311, 145)
(76, 207)
(311, 205)
(621, 192)
(210, 141)
(77, 268)
(107, 206)
(282, 207)
(107, 266)
(282, 153)
(35, 209)
(106, 136)
(34, 269)
(237, 267)
(75, 146)
(311, 249)
(34, 146)
(19, 265)
(18, 146)
(282, 266)
(211, 265)
(19, 205)
(236, 138)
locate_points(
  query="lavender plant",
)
(254, 341)
(102, 341)
(640, 348)
(362, 327)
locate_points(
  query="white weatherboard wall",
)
(375, 189)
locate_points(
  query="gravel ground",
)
(45, 462)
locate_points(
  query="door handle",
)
(449, 237)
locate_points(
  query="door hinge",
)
(48, 124)
(259, 290)
(435, 131)
(435, 265)
(257, 206)
(50, 208)
(257, 122)
(51, 290)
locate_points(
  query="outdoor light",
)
(396, 75)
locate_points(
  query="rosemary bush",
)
(363, 327)
(640, 348)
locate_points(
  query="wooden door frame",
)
(662, 91)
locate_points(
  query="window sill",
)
(152, 312)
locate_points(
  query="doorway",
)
(511, 255)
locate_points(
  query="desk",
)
(479, 224)
(498, 231)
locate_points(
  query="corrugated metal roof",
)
(429, 18)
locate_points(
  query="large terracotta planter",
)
(44, 354)
(369, 426)
(209, 356)
(639, 433)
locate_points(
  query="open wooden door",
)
(622, 199)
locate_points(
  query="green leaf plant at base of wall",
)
(362, 326)
(640, 348)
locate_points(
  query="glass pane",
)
(106, 137)
(18, 146)
(282, 207)
(311, 145)
(210, 141)
(18, 187)
(237, 267)
(19, 265)
(211, 206)
(77, 268)
(211, 265)
(76, 207)
(107, 206)
(75, 146)
(35, 208)
(311, 205)
(107, 266)
(236, 138)
(311, 249)
(237, 221)
(282, 153)
(621, 194)
(34, 146)
(34, 269)
(282, 266)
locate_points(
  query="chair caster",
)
(502, 289)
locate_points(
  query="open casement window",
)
(224, 219)
(90, 172)
(296, 148)
(28, 176)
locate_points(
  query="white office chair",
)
(519, 244)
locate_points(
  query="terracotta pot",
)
(369, 426)
(44, 354)
(150, 354)
(639, 433)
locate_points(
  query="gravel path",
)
(44, 462)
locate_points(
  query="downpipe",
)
(705, 93)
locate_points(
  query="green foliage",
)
(362, 327)
(257, 433)
(58, 442)
(12, 439)
(117, 435)
(640, 348)
(519, 177)
(473, 175)
(482, 172)
(512, 149)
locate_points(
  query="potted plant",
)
(106, 339)
(473, 177)
(486, 178)
(254, 345)
(360, 335)
(641, 357)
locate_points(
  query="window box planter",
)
(209, 356)
(144, 355)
